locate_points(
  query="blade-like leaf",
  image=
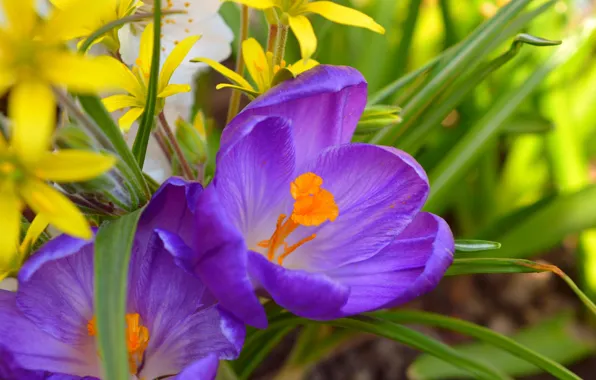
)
(468, 245)
(113, 245)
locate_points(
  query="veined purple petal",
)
(10, 369)
(171, 208)
(57, 295)
(253, 175)
(309, 295)
(324, 105)
(220, 260)
(35, 350)
(378, 192)
(410, 266)
(203, 369)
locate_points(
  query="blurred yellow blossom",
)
(293, 13)
(24, 170)
(11, 261)
(33, 59)
(104, 12)
(136, 81)
(260, 67)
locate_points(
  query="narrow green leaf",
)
(259, 351)
(481, 333)
(110, 131)
(113, 245)
(469, 245)
(557, 340)
(139, 148)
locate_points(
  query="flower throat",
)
(313, 206)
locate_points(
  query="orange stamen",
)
(137, 339)
(313, 206)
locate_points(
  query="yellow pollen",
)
(137, 339)
(313, 206)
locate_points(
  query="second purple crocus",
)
(325, 227)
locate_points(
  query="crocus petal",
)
(32, 131)
(56, 207)
(253, 175)
(204, 369)
(173, 89)
(172, 209)
(35, 349)
(378, 191)
(71, 165)
(410, 266)
(10, 369)
(10, 209)
(126, 121)
(343, 15)
(309, 295)
(220, 260)
(174, 59)
(56, 292)
(324, 105)
(117, 102)
(180, 314)
(305, 35)
(83, 74)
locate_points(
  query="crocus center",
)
(313, 206)
(137, 339)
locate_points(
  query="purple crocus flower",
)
(174, 325)
(325, 227)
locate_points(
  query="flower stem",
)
(234, 105)
(273, 29)
(280, 43)
(186, 170)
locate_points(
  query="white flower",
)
(201, 18)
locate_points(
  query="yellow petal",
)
(85, 74)
(71, 165)
(56, 207)
(343, 15)
(20, 15)
(257, 4)
(303, 31)
(175, 59)
(146, 50)
(256, 63)
(38, 225)
(72, 19)
(125, 122)
(32, 108)
(250, 93)
(7, 78)
(117, 102)
(173, 89)
(10, 209)
(303, 65)
(230, 74)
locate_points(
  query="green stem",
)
(234, 105)
(186, 170)
(280, 43)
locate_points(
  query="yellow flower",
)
(23, 181)
(13, 261)
(136, 81)
(33, 59)
(293, 12)
(260, 68)
(104, 12)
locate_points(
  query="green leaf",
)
(468, 245)
(113, 245)
(109, 135)
(556, 340)
(139, 148)
(481, 333)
